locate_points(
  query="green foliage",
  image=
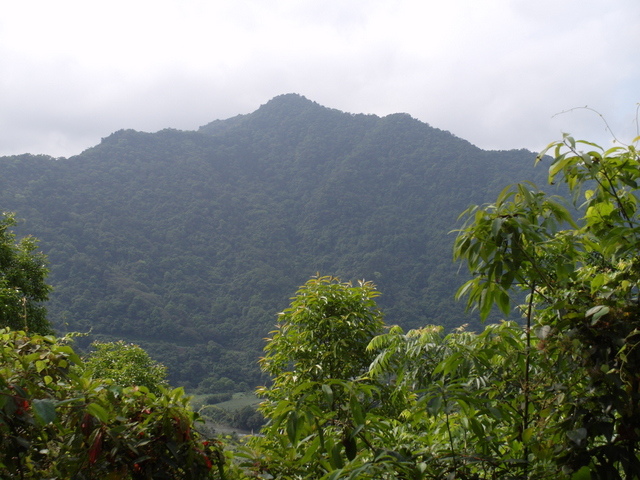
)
(418, 405)
(481, 405)
(127, 365)
(316, 356)
(22, 281)
(323, 334)
(583, 281)
(217, 398)
(555, 398)
(431, 406)
(513, 242)
(56, 422)
(185, 243)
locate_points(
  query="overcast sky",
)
(495, 72)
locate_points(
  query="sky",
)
(502, 74)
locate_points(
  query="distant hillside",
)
(190, 242)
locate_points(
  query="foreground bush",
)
(57, 422)
(127, 365)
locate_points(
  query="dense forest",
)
(555, 394)
(188, 243)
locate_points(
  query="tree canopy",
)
(23, 287)
(187, 242)
(582, 278)
(556, 396)
(127, 365)
(324, 333)
(58, 422)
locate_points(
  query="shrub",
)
(58, 422)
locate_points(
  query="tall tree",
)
(317, 358)
(582, 276)
(323, 334)
(127, 365)
(23, 270)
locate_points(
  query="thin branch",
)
(614, 192)
(535, 266)
(611, 191)
(604, 120)
(527, 369)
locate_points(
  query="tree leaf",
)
(98, 411)
(350, 447)
(336, 458)
(328, 392)
(583, 474)
(597, 312)
(356, 411)
(577, 436)
(45, 410)
(292, 427)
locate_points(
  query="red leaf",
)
(86, 425)
(96, 448)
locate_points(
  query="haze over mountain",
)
(189, 242)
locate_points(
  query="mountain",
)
(189, 242)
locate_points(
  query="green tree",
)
(127, 365)
(555, 399)
(323, 335)
(430, 405)
(22, 281)
(468, 410)
(582, 277)
(58, 422)
(317, 358)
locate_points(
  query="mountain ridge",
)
(190, 242)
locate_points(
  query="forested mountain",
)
(189, 242)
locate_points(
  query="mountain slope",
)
(188, 243)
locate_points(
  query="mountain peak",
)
(290, 99)
(290, 104)
(291, 108)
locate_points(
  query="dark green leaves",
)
(45, 410)
(582, 279)
(56, 422)
(23, 286)
(506, 244)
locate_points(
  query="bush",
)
(58, 422)
(217, 398)
(127, 365)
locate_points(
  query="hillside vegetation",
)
(350, 397)
(189, 242)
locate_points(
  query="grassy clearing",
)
(220, 422)
(238, 401)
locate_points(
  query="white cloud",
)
(494, 72)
